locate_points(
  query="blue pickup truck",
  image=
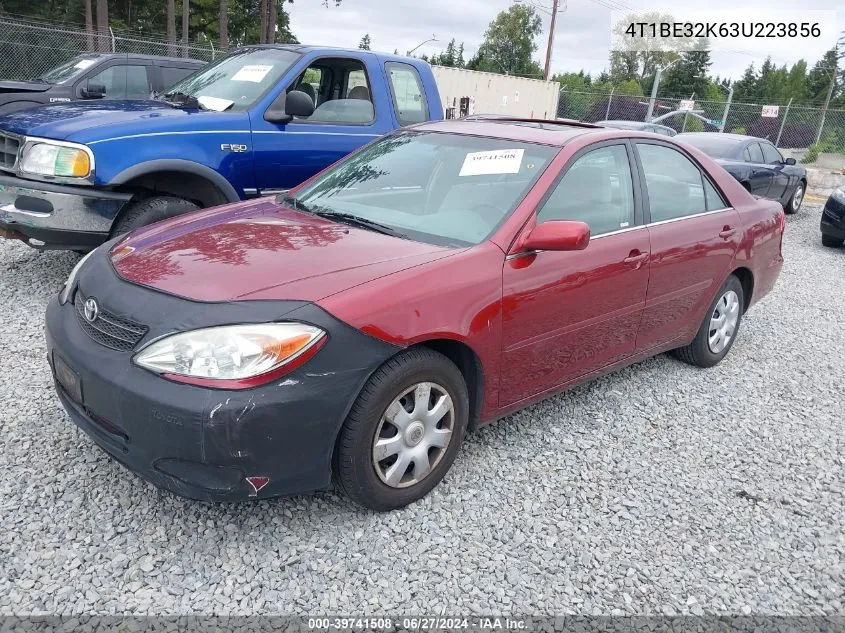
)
(259, 121)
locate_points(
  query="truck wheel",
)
(151, 210)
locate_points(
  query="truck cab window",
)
(340, 90)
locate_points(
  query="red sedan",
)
(438, 279)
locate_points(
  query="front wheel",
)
(830, 241)
(795, 201)
(718, 331)
(403, 431)
(151, 210)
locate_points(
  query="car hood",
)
(261, 250)
(23, 86)
(85, 121)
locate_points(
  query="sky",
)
(582, 34)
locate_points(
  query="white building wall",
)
(496, 94)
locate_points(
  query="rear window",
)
(715, 146)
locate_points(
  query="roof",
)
(719, 136)
(140, 56)
(307, 48)
(556, 133)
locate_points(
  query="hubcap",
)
(798, 198)
(723, 322)
(413, 435)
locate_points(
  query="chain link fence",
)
(29, 48)
(792, 127)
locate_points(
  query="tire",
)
(356, 469)
(151, 210)
(700, 352)
(796, 200)
(830, 241)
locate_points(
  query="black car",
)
(642, 126)
(97, 76)
(755, 163)
(833, 219)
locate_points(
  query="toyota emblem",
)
(91, 309)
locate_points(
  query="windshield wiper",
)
(345, 218)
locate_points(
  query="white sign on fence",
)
(686, 104)
(771, 111)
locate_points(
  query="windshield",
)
(714, 146)
(237, 81)
(445, 189)
(69, 70)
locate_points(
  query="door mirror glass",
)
(789, 161)
(558, 235)
(93, 90)
(289, 105)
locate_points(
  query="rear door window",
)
(674, 183)
(755, 153)
(171, 74)
(770, 155)
(408, 94)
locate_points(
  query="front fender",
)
(178, 165)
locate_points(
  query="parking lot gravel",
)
(660, 489)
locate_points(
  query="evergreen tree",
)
(364, 44)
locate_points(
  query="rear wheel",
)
(718, 331)
(403, 431)
(830, 241)
(795, 201)
(151, 210)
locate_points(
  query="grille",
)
(8, 151)
(108, 329)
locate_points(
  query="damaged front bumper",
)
(52, 216)
(206, 444)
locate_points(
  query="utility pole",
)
(548, 69)
(653, 97)
(728, 108)
(826, 105)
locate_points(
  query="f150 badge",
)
(233, 147)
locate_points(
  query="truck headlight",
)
(46, 159)
(231, 356)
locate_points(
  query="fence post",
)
(648, 115)
(826, 105)
(212, 49)
(112, 40)
(609, 101)
(727, 109)
(684, 127)
(782, 123)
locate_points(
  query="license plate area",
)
(67, 378)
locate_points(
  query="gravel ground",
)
(659, 489)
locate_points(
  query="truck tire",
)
(151, 210)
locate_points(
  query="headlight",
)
(64, 295)
(838, 195)
(232, 356)
(46, 159)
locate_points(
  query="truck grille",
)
(108, 329)
(9, 146)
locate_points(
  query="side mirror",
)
(288, 105)
(93, 90)
(789, 161)
(558, 235)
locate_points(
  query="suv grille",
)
(108, 329)
(8, 151)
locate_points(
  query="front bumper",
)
(49, 216)
(203, 443)
(833, 219)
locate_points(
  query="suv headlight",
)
(838, 195)
(48, 159)
(232, 356)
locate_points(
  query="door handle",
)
(635, 257)
(727, 232)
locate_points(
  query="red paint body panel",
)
(537, 322)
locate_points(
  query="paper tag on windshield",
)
(82, 64)
(501, 161)
(254, 73)
(214, 103)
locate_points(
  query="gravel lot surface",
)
(659, 489)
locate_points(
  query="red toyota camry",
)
(438, 279)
